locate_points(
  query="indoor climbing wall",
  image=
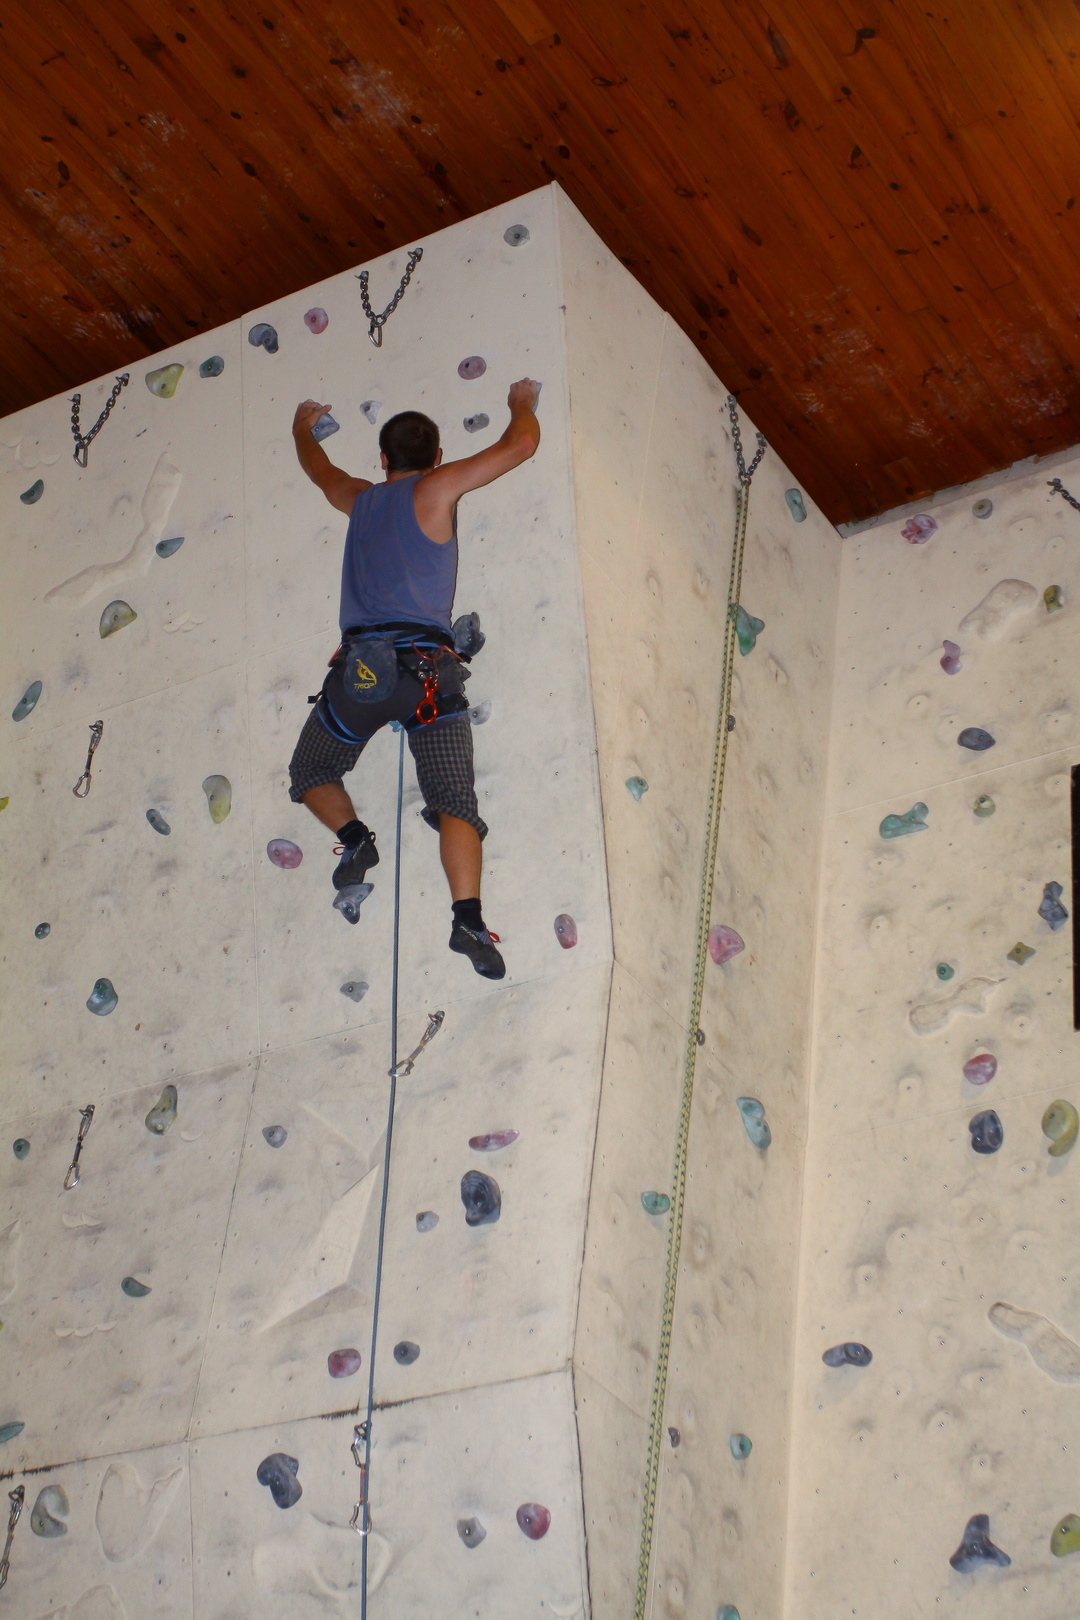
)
(939, 1336)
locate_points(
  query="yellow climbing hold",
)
(1060, 1123)
(1066, 1536)
(4, 802)
(163, 381)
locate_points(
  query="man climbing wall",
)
(397, 659)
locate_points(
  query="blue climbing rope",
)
(364, 1431)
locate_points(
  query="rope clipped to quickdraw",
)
(361, 1443)
(83, 441)
(82, 786)
(71, 1180)
(1056, 484)
(705, 893)
(377, 322)
(16, 1498)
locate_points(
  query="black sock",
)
(468, 913)
(353, 833)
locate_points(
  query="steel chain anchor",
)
(83, 441)
(1056, 484)
(82, 786)
(71, 1180)
(377, 322)
(16, 1498)
(745, 473)
(435, 1022)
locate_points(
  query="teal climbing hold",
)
(134, 1289)
(727, 1611)
(747, 628)
(795, 504)
(741, 1446)
(34, 493)
(945, 972)
(43, 930)
(169, 548)
(637, 785)
(912, 821)
(102, 999)
(27, 701)
(212, 367)
(20, 1147)
(10, 1431)
(655, 1203)
(753, 1117)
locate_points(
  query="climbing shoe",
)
(356, 858)
(479, 946)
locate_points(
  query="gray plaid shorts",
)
(442, 752)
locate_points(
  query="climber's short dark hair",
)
(410, 442)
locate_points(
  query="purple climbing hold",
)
(263, 336)
(278, 1472)
(977, 1548)
(950, 658)
(848, 1355)
(566, 931)
(284, 853)
(1051, 909)
(492, 1141)
(471, 367)
(981, 1069)
(426, 1220)
(986, 1130)
(481, 1197)
(918, 529)
(975, 738)
(343, 1363)
(724, 943)
(534, 1520)
(316, 320)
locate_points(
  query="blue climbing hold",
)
(976, 739)
(1051, 909)
(20, 1147)
(636, 786)
(796, 505)
(169, 548)
(977, 1548)
(102, 999)
(263, 336)
(323, 426)
(34, 493)
(10, 1431)
(27, 701)
(477, 423)
(158, 822)
(406, 1353)
(741, 1446)
(467, 634)
(279, 1472)
(135, 1289)
(655, 1203)
(753, 1117)
(945, 971)
(275, 1136)
(851, 1354)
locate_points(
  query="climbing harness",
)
(361, 1442)
(16, 1498)
(83, 441)
(708, 869)
(71, 1180)
(377, 322)
(82, 786)
(1055, 483)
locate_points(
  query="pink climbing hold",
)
(980, 1070)
(950, 658)
(343, 1363)
(283, 852)
(724, 943)
(492, 1141)
(474, 365)
(316, 320)
(534, 1520)
(565, 930)
(918, 529)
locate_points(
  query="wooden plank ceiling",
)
(862, 211)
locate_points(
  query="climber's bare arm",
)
(438, 492)
(339, 488)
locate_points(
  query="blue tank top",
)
(391, 571)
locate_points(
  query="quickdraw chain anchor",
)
(1056, 484)
(377, 322)
(83, 441)
(16, 1498)
(71, 1180)
(82, 786)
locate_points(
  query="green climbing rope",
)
(682, 1140)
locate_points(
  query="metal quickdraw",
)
(377, 322)
(83, 441)
(361, 1516)
(71, 1180)
(406, 1066)
(82, 786)
(16, 1498)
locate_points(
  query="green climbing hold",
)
(1065, 1537)
(1061, 1123)
(753, 1117)
(115, 617)
(984, 805)
(135, 1289)
(1021, 953)
(212, 367)
(218, 790)
(747, 628)
(163, 381)
(741, 1446)
(654, 1203)
(4, 802)
(163, 1113)
(33, 494)
(20, 1147)
(912, 821)
(43, 930)
(945, 972)
(637, 786)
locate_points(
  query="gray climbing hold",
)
(731, 722)
(162, 382)
(480, 712)
(163, 1113)
(370, 409)
(20, 1147)
(983, 507)
(275, 1135)
(263, 336)
(473, 366)
(158, 822)
(278, 1472)
(33, 494)
(102, 999)
(218, 790)
(406, 1353)
(477, 423)
(467, 634)
(675, 1437)
(977, 1548)
(10, 1431)
(471, 1532)
(655, 1203)
(43, 930)
(986, 1131)
(481, 1197)
(753, 1117)
(796, 504)
(134, 1289)
(636, 786)
(426, 1220)
(323, 426)
(114, 617)
(47, 1512)
(355, 989)
(1051, 909)
(349, 900)
(740, 1446)
(975, 738)
(516, 235)
(169, 548)
(851, 1354)
(27, 701)
(212, 367)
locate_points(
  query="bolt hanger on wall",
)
(83, 441)
(377, 322)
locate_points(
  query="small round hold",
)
(731, 722)
(986, 1131)
(477, 423)
(984, 805)
(675, 1437)
(406, 1353)
(426, 1220)
(316, 320)
(102, 999)
(43, 930)
(158, 822)
(982, 507)
(740, 1446)
(980, 1069)
(284, 853)
(534, 1520)
(727, 1611)
(134, 1289)
(343, 1363)
(848, 1355)
(566, 930)
(20, 1147)
(169, 548)
(636, 786)
(655, 1203)
(471, 1532)
(516, 235)
(473, 366)
(945, 971)
(212, 367)
(700, 1037)
(275, 1136)
(33, 494)
(263, 336)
